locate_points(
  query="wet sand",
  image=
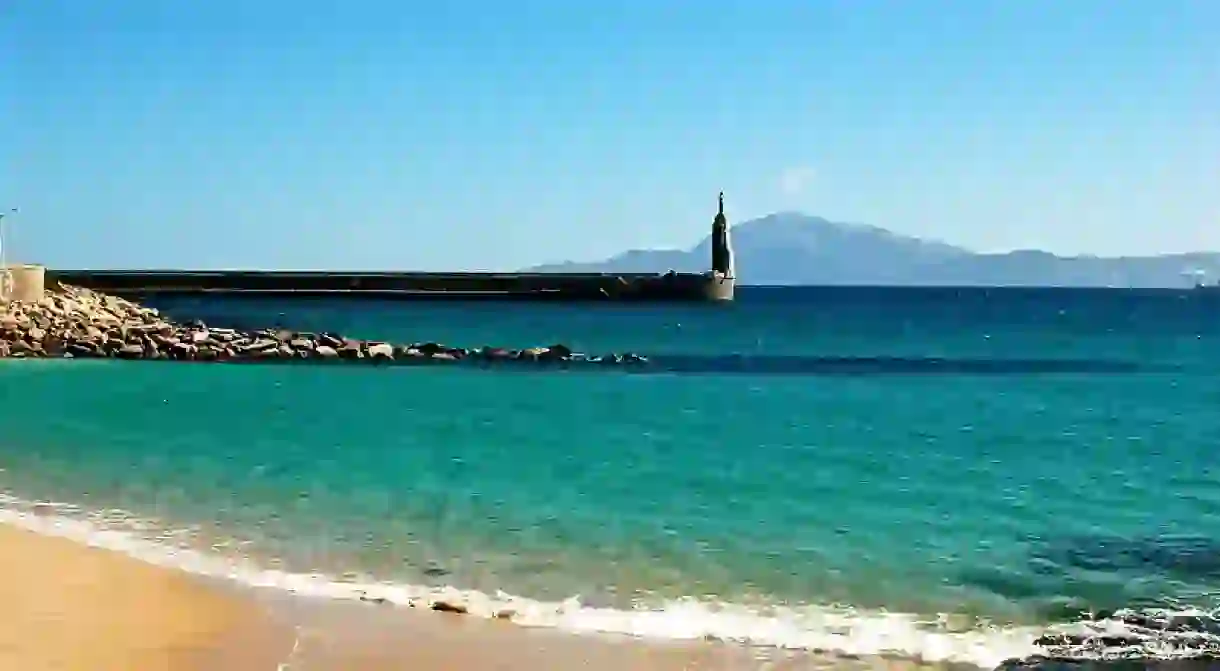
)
(73, 607)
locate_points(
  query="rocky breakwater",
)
(71, 322)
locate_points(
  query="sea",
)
(947, 475)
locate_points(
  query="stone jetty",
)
(72, 322)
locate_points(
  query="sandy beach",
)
(73, 607)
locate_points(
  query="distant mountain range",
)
(791, 248)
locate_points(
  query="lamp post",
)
(6, 275)
(8, 213)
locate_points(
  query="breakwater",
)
(75, 322)
(667, 287)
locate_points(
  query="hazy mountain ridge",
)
(793, 248)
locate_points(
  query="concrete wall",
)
(22, 282)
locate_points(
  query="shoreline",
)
(78, 607)
(399, 609)
(89, 602)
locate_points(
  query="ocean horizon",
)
(944, 474)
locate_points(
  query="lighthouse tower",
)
(723, 275)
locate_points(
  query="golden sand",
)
(68, 606)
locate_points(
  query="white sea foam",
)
(822, 629)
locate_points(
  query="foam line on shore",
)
(828, 630)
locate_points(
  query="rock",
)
(446, 607)
(52, 345)
(409, 353)
(131, 352)
(181, 350)
(259, 346)
(430, 348)
(84, 349)
(494, 353)
(381, 350)
(326, 352)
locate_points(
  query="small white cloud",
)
(796, 179)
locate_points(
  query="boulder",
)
(131, 352)
(381, 351)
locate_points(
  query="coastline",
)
(75, 607)
(241, 592)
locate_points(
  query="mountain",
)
(794, 248)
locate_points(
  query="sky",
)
(389, 134)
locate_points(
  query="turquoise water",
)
(985, 462)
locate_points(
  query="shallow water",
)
(939, 473)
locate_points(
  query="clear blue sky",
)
(493, 135)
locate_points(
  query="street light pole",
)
(6, 275)
(3, 258)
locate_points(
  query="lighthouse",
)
(723, 275)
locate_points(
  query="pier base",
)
(22, 282)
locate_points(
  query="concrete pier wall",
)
(404, 286)
(22, 282)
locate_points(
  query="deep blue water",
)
(967, 457)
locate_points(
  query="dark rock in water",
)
(495, 354)
(1130, 639)
(131, 352)
(446, 607)
(531, 353)
(559, 350)
(352, 349)
(1114, 641)
(407, 353)
(1040, 663)
(430, 348)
